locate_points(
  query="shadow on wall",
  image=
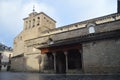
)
(24, 64)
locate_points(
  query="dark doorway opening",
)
(60, 63)
(49, 61)
(74, 59)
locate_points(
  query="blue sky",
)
(64, 12)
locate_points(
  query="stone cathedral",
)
(91, 46)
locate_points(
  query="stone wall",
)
(37, 36)
(101, 56)
(18, 64)
(32, 64)
(28, 63)
(84, 31)
(18, 46)
(32, 30)
(73, 33)
(34, 25)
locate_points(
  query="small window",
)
(91, 29)
(33, 22)
(29, 24)
(26, 25)
(38, 17)
(61, 29)
(38, 21)
(76, 25)
(20, 37)
(38, 24)
(33, 25)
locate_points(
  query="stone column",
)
(80, 51)
(39, 62)
(24, 63)
(54, 55)
(66, 58)
(82, 67)
(42, 62)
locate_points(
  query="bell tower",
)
(118, 6)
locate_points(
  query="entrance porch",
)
(63, 59)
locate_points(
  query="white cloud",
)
(64, 11)
(86, 9)
(12, 14)
(38, 8)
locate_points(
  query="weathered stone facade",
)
(102, 56)
(34, 25)
(90, 46)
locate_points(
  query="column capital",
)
(54, 53)
(80, 50)
(65, 52)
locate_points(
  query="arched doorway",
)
(64, 58)
(74, 59)
(60, 63)
(49, 61)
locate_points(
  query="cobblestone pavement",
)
(37, 76)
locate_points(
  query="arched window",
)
(38, 17)
(33, 22)
(29, 24)
(38, 22)
(91, 28)
(26, 24)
